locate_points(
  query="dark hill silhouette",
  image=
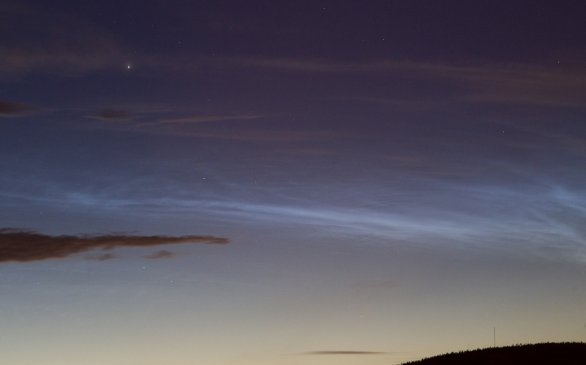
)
(568, 353)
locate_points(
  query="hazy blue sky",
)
(279, 182)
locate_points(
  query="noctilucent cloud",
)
(308, 182)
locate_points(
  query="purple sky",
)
(308, 182)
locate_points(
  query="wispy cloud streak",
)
(513, 83)
(206, 119)
(343, 352)
(12, 109)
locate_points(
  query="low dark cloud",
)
(26, 246)
(162, 254)
(343, 353)
(103, 257)
(12, 109)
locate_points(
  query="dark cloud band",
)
(25, 246)
(162, 254)
(12, 109)
(343, 353)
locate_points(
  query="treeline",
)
(560, 353)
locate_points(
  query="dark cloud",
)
(162, 254)
(12, 109)
(112, 114)
(25, 246)
(103, 257)
(343, 353)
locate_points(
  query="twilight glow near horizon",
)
(289, 183)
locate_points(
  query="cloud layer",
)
(112, 114)
(26, 246)
(343, 353)
(12, 109)
(162, 254)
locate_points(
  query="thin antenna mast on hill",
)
(494, 337)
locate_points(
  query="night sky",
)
(289, 182)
